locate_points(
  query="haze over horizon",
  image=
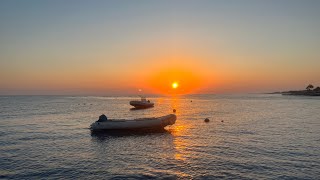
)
(121, 47)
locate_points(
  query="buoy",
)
(206, 120)
(174, 110)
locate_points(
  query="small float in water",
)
(135, 124)
(144, 103)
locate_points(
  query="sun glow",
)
(176, 79)
(175, 85)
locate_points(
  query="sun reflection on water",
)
(180, 142)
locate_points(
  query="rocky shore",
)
(308, 92)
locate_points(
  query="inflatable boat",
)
(141, 123)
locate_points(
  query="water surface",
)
(248, 137)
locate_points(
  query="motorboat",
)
(135, 124)
(143, 103)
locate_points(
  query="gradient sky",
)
(119, 47)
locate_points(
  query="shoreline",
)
(302, 93)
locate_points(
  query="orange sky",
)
(114, 47)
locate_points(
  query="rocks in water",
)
(206, 120)
(174, 110)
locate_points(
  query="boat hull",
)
(141, 104)
(136, 124)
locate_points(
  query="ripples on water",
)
(261, 136)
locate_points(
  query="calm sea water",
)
(261, 137)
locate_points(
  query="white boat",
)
(144, 103)
(142, 123)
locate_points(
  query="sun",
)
(175, 85)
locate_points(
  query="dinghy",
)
(135, 124)
(144, 103)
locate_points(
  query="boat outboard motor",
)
(102, 118)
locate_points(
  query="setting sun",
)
(175, 85)
(175, 80)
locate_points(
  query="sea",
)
(249, 136)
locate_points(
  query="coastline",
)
(302, 93)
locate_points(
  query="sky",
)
(128, 47)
